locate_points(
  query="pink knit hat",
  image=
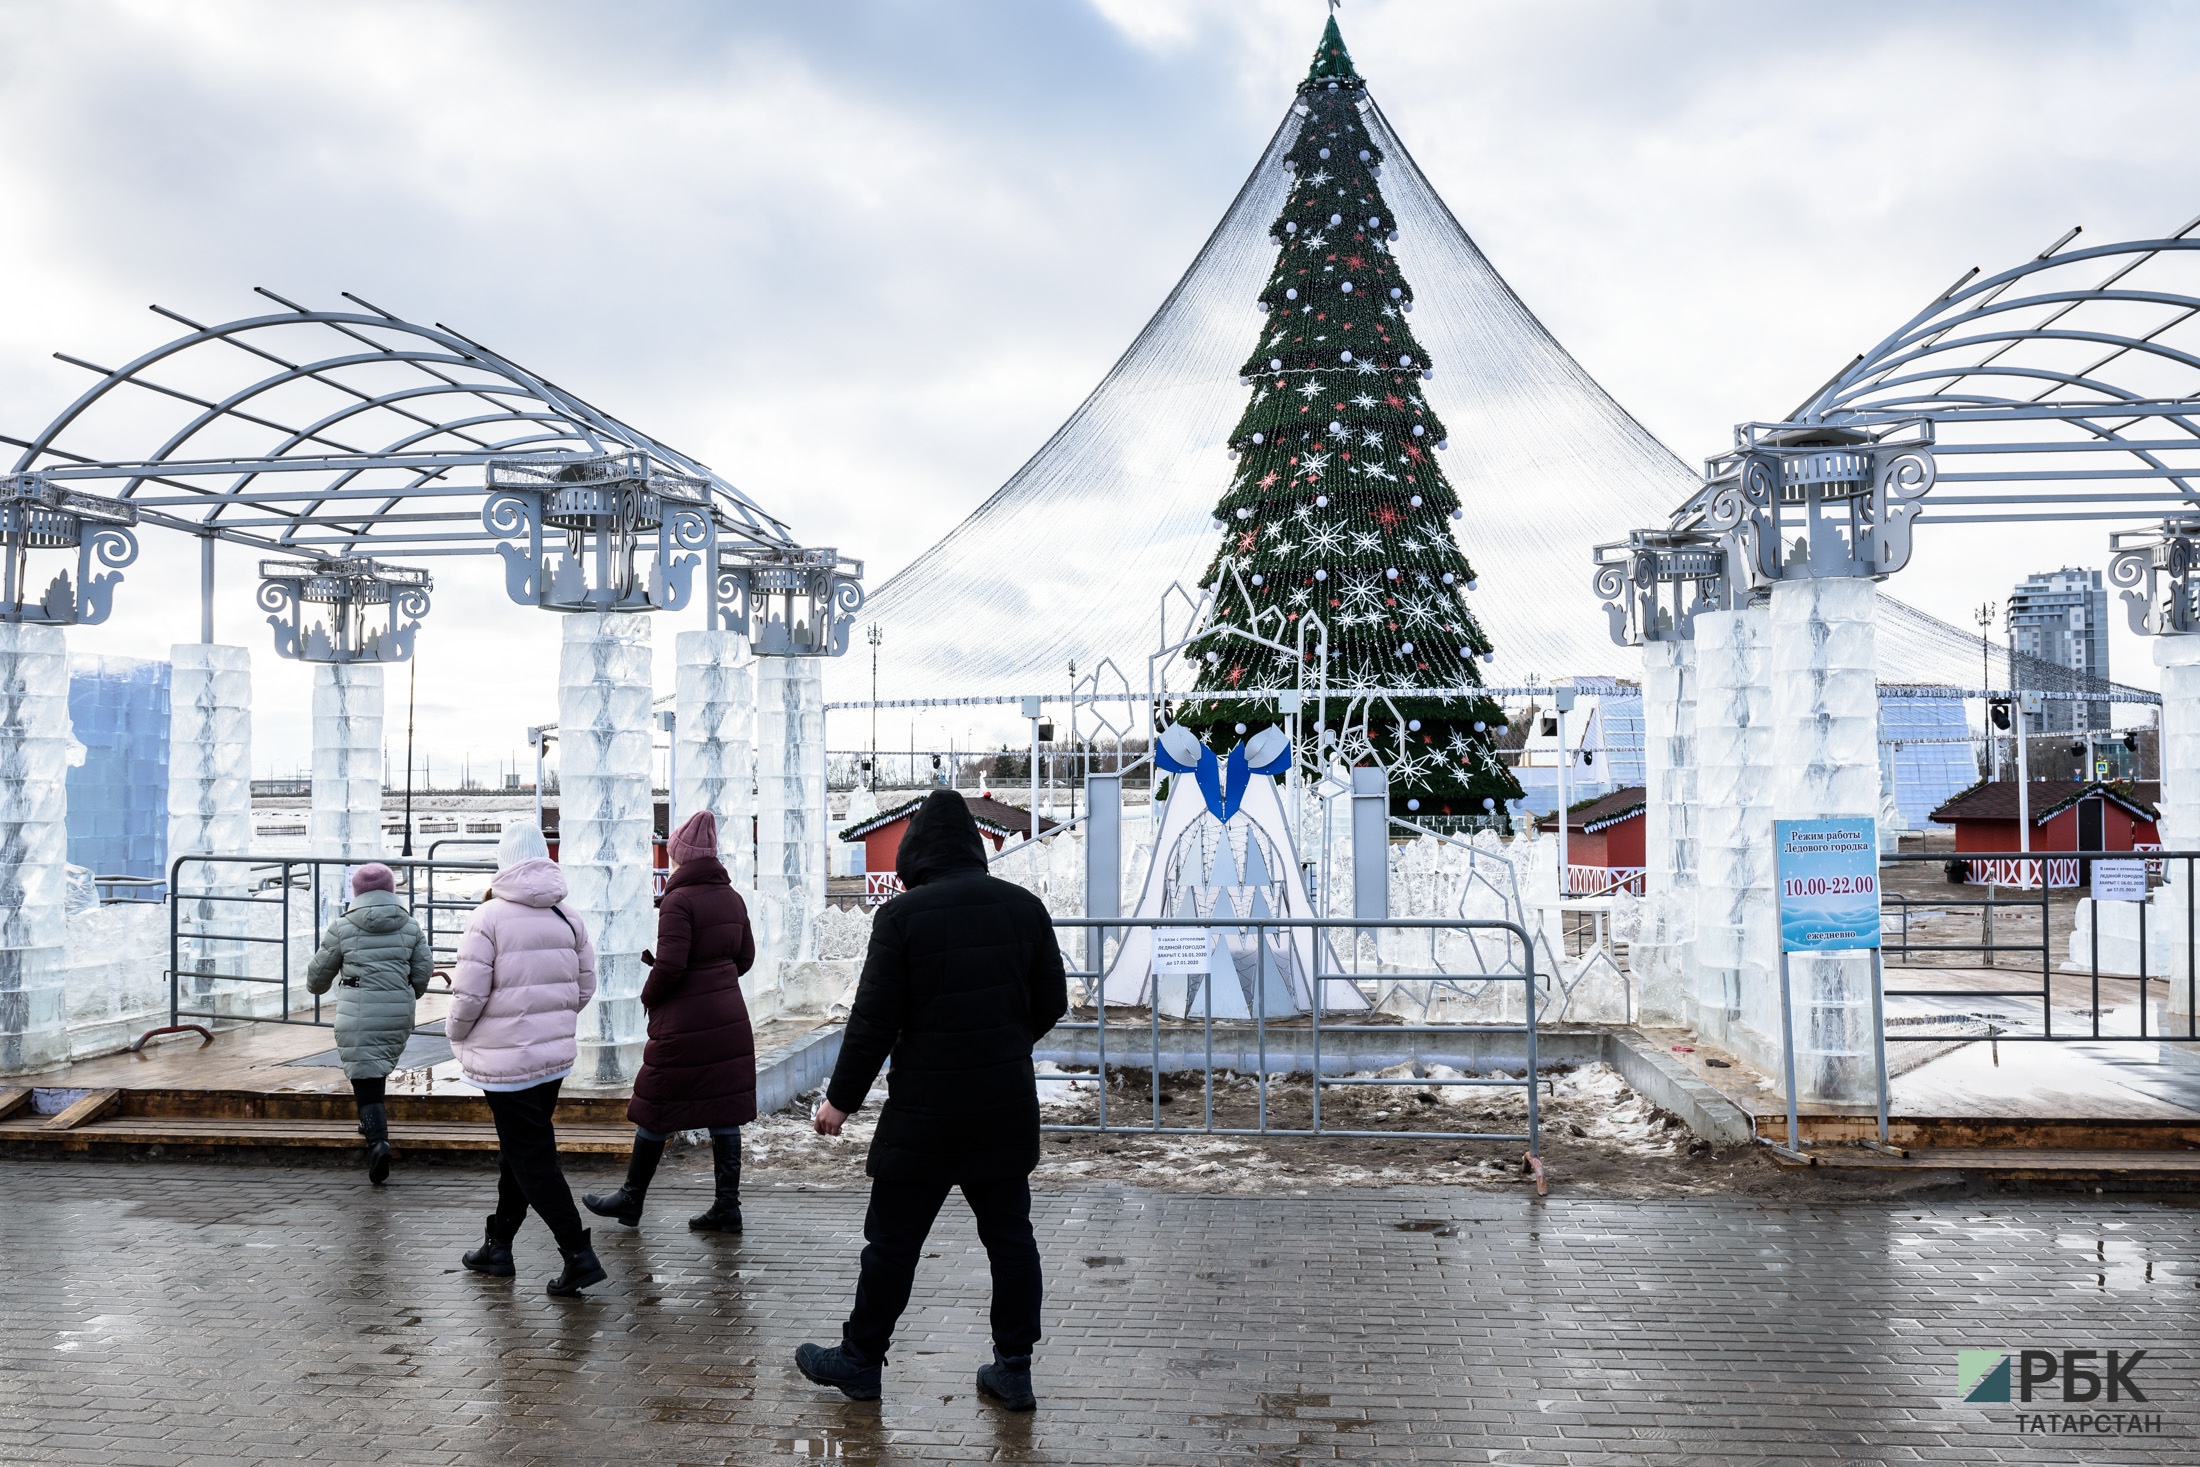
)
(374, 876)
(697, 836)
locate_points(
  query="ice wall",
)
(347, 761)
(1825, 717)
(1668, 925)
(1731, 979)
(714, 763)
(605, 819)
(34, 843)
(791, 817)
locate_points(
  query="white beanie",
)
(522, 842)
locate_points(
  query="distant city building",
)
(2061, 618)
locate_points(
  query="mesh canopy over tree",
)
(1338, 509)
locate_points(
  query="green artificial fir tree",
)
(1338, 508)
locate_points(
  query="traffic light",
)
(1997, 713)
(2077, 751)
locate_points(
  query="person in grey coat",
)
(377, 957)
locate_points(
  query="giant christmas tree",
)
(1338, 507)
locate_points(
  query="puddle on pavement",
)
(1435, 1225)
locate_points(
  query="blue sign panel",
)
(1828, 880)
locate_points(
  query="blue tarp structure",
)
(1932, 765)
(118, 797)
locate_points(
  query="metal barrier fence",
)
(220, 925)
(1118, 1046)
(2169, 974)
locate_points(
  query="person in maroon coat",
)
(699, 1068)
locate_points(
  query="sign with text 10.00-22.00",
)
(1827, 875)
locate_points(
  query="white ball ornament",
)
(1347, 287)
(1447, 578)
(1489, 657)
(1321, 501)
(1336, 219)
(1336, 427)
(1413, 804)
(1405, 361)
(1466, 652)
(1374, 221)
(1458, 514)
(1321, 575)
(1275, 364)
(1396, 293)
(1325, 152)
(1292, 294)
(1290, 229)
(1211, 657)
(1344, 356)
(1480, 726)
(1256, 580)
(1257, 438)
(1488, 803)
(1406, 650)
(1415, 501)
(1241, 728)
(1418, 430)
(1443, 443)
(1363, 155)
(1245, 514)
(1473, 584)
(1391, 574)
(1413, 725)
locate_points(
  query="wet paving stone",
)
(166, 1313)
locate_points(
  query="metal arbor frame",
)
(356, 436)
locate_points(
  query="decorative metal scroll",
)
(624, 526)
(788, 603)
(39, 515)
(1850, 509)
(2166, 561)
(370, 611)
(1655, 581)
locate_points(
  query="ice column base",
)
(605, 818)
(210, 814)
(790, 817)
(34, 847)
(2172, 905)
(1731, 997)
(347, 761)
(714, 723)
(1825, 716)
(1668, 929)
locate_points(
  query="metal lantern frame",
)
(353, 591)
(788, 603)
(340, 435)
(2165, 562)
(38, 515)
(1655, 582)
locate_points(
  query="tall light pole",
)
(874, 636)
(1984, 616)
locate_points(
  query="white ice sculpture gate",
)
(790, 813)
(714, 722)
(34, 752)
(1735, 937)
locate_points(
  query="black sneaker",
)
(1008, 1381)
(841, 1368)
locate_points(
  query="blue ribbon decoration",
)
(1222, 782)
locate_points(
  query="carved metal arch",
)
(210, 495)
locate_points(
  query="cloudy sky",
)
(862, 256)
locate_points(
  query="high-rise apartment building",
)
(2061, 618)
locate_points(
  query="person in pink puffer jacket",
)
(525, 967)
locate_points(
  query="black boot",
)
(1008, 1380)
(841, 1368)
(494, 1256)
(725, 1208)
(625, 1205)
(374, 1124)
(581, 1269)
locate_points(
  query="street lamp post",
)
(874, 636)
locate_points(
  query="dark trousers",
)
(369, 1092)
(528, 1173)
(894, 1230)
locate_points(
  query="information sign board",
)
(1180, 949)
(2119, 881)
(1827, 879)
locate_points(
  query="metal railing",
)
(1118, 1047)
(2144, 986)
(220, 927)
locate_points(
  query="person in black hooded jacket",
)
(962, 978)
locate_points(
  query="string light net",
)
(1072, 557)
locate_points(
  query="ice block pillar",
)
(1825, 718)
(790, 809)
(1735, 939)
(2170, 910)
(210, 809)
(605, 820)
(714, 727)
(1669, 677)
(34, 846)
(347, 760)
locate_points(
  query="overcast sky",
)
(863, 256)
